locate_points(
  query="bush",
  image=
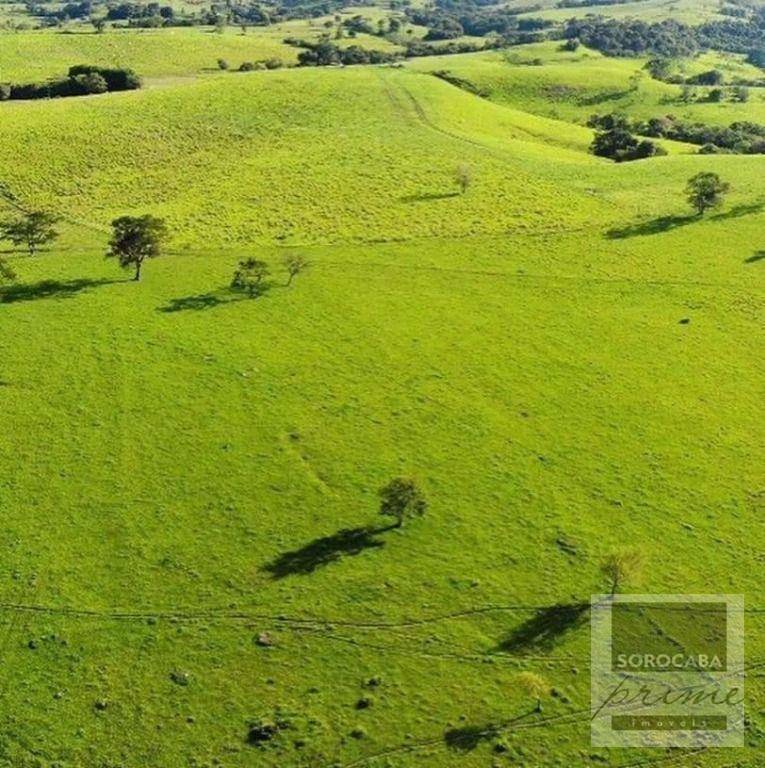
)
(90, 83)
(620, 145)
(716, 95)
(81, 80)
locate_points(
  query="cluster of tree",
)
(149, 16)
(737, 35)
(325, 53)
(251, 274)
(134, 239)
(741, 137)
(252, 66)
(358, 24)
(68, 11)
(130, 11)
(632, 37)
(449, 20)
(417, 48)
(588, 3)
(614, 139)
(82, 80)
(756, 56)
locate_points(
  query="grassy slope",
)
(29, 56)
(530, 368)
(34, 55)
(574, 86)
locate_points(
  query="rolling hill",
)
(564, 355)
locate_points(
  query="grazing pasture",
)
(567, 359)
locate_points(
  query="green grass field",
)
(566, 358)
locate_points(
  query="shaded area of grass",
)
(195, 303)
(425, 196)
(467, 738)
(49, 289)
(543, 631)
(668, 223)
(318, 553)
(652, 227)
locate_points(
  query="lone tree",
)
(706, 190)
(464, 177)
(621, 567)
(250, 276)
(400, 499)
(33, 230)
(294, 264)
(135, 239)
(535, 686)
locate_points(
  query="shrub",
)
(620, 145)
(90, 83)
(250, 276)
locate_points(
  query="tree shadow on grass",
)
(49, 289)
(212, 299)
(669, 223)
(738, 210)
(318, 553)
(652, 227)
(543, 631)
(196, 303)
(467, 738)
(755, 257)
(425, 196)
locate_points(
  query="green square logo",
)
(667, 670)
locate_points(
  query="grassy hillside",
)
(572, 86)
(29, 56)
(564, 356)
